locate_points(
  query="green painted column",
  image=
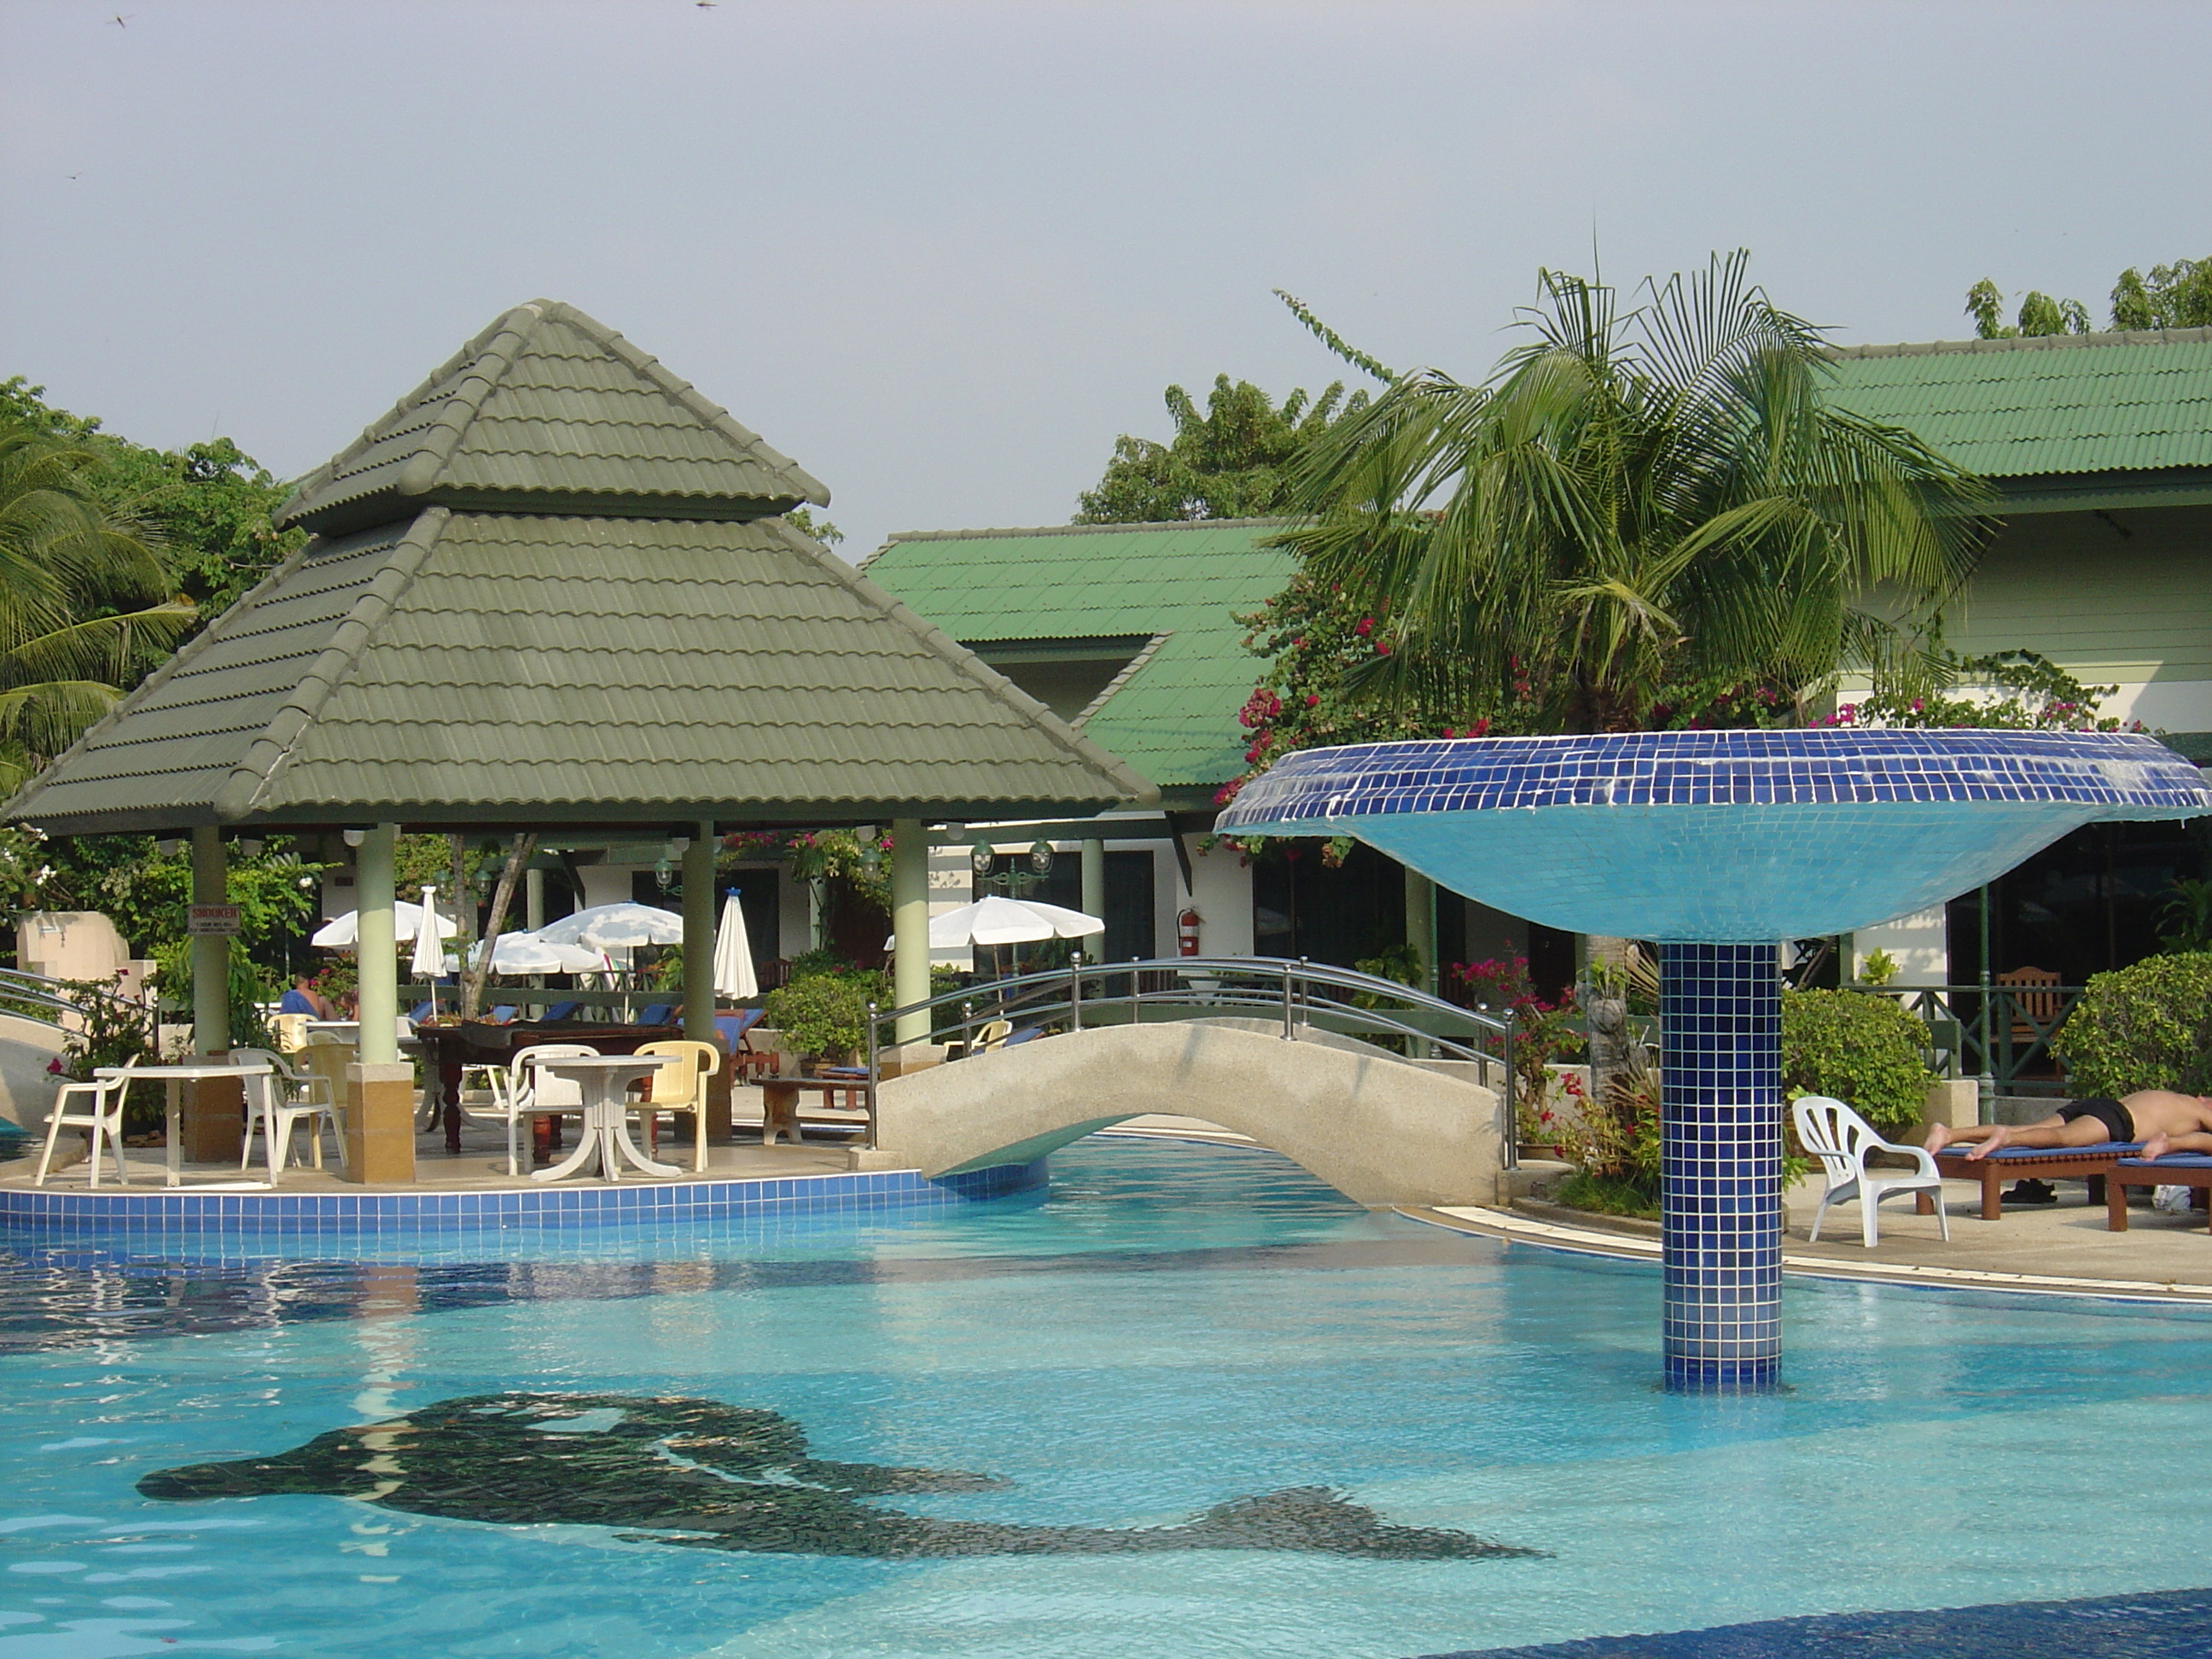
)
(210, 954)
(910, 925)
(375, 953)
(1094, 896)
(699, 934)
(1421, 924)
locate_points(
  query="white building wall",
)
(1223, 903)
(1919, 943)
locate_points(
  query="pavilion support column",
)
(910, 925)
(1421, 924)
(214, 1110)
(1094, 895)
(379, 1117)
(699, 968)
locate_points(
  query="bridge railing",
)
(1297, 994)
(62, 1003)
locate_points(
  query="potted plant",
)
(823, 1018)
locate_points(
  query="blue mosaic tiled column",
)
(1720, 1019)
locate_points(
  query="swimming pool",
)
(1171, 1328)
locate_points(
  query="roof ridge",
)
(967, 661)
(265, 756)
(2028, 343)
(467, 400)
(1083, 529)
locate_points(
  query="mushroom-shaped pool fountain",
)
(1719, 845)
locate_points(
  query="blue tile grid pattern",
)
(1720, 1115)
(1720, 835)
(416, 1212)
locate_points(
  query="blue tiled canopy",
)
(1719, 836)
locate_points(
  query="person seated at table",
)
(304, 998)
(2158, 1118)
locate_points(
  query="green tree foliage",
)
(1231, 462)
(2179, 295)
(1638, 512)
(803, 520)
(205, 508)
(2145, 1027)
(85, 607)
(1865, 1051)
(2005, 691)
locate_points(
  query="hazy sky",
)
(942, 253)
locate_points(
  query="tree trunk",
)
(473, 975)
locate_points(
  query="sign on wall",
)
(219, 920)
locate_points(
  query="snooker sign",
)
(219, 920)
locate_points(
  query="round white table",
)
(604, 1080)
(209, 1071)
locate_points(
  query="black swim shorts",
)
(2108, 1111)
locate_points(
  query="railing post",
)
(1075, 990)
(1512, 1159)
(1287, 1035)
(872, 1075)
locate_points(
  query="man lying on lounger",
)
(2161, 1119)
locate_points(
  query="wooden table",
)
(605, 1080)
(2090, 1164)
(175, 1077)
(479, 1042)
(780, 1102)
(2166, 1172)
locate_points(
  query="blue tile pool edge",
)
(280, 1214)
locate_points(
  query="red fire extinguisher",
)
(1187, 933)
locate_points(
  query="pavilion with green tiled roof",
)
(553, 589)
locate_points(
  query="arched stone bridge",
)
(1379, 1129)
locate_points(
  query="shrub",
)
(1865, 1051)
(824, 1014)
(2145, 1027)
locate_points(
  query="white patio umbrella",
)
(343, 933)
(734, 954)
(430, 947)
(996, 920)
(615, 928)
(526, 953)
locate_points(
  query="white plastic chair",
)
(530, 1093)
(488, 1096)
(275, 1103)
(98, 1111)
(1841, 1139)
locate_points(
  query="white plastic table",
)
(604, 1079)
(174, 1076)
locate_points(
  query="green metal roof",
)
(2038, 407)
(1173, 716)
(550, 406)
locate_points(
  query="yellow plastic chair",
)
(683, 1088)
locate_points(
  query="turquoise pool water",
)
(1172, 1327)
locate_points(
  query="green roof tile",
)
(548, 410)
(1174, 719)
(2038, 407)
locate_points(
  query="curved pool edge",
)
(1479, 1221)
(31, 1213)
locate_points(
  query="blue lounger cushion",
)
(2172, 1161)
(2095, 1149)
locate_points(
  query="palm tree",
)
(85, 605)
(1634, 505)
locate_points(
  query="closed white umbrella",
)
(734, 954)
(996, 920)
(429, 947)
(615, 928)
(343, 933)
(526, 953)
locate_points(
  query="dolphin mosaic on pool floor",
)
(713, 1476)
(2158, 1624)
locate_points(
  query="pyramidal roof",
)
(680, 656)
(548, 410)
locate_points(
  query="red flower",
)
(1313, 699)
(1367, 626)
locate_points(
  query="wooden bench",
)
(779, 1098)
(2090, 1164)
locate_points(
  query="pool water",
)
(1171, 1327)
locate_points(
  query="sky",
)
(942, 253)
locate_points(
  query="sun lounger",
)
(2092, 1164)
(2174, 1169)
